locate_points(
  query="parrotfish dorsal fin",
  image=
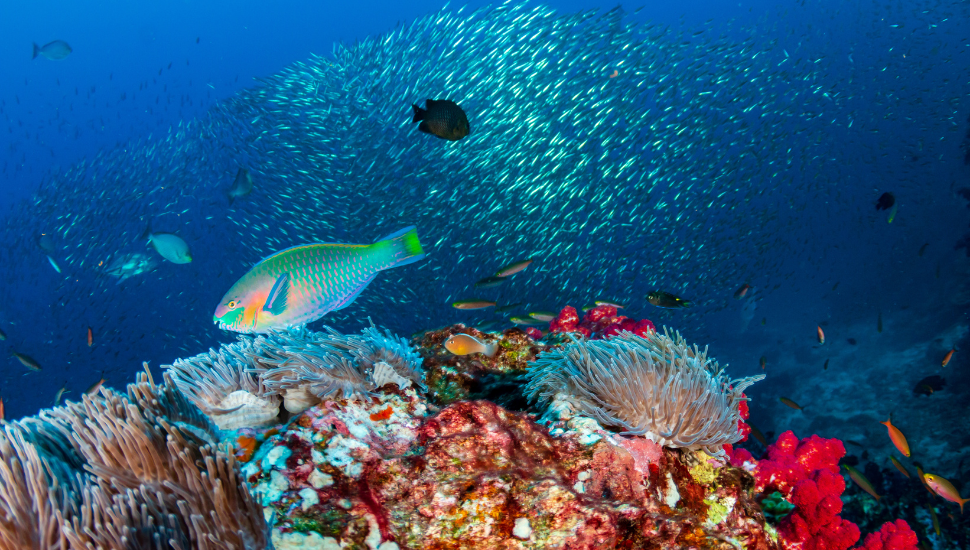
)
(276, 301)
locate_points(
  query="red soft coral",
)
(895, 535)
(806, 472)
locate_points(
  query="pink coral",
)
(599, 322)
(892, 536)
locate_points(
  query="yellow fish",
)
(945, 489)
(466, 344)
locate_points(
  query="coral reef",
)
(371, 460)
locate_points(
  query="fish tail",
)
(36, 51)
(490, 350)
(400, 248)
(147, 234)
(418, 111)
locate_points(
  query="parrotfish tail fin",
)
(400, 248)
(418, 111)
(687, 303)
(491, 350)
(36, 51)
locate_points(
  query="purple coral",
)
(656, 386)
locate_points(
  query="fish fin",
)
(353, 296)
(418, 111)
(490, 350)
(430, 103)
(276, 301)
(405, 248)
(36, 51)
(424, 127)
(228, 194)
(147, 233)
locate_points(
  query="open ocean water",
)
(691, 149)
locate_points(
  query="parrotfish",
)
(466, 344)
(55, 50)
(899, 440)
(169, 246)
(303, 283)
(945, 489)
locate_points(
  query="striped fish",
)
(302, 284)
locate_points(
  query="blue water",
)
(877, 100)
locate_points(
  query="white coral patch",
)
(300, 541)
(672, 496)
(276, 458)
(310, 499)
(522, 529)
(339, 453)
(319, 479)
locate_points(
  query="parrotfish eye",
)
(231, 304)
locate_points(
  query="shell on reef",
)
(385, 374)
(241, 409)
(298, 399)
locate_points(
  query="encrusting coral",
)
(138, 471)
(655, 385)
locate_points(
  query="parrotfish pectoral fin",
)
(403, 247)
(353, 296)
(276, 301)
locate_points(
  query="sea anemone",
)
(655, 386)
(115, 471)
(220, 384)
(306, 367)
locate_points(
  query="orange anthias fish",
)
(899, 440)
(898, 465)
(764, 362)
(945, 489)
(615, 73)
(821, 336)
(303, 283)
(90, 337)
(862, 481)
(946, 359)
(2, 415)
